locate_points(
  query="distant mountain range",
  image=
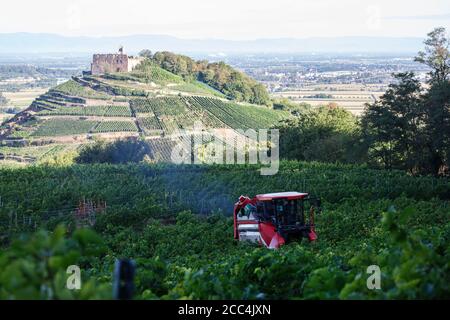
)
(52, 43)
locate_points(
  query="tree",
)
(393, 125)
(437, 100)
(146, 53)
(436, 55)
(409, 128)
(321, 134)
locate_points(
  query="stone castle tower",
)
(113, 62)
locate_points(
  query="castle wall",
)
(133, 62)
(109, 63)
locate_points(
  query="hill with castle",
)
(151, 97)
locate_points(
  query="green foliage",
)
(146, 53)
(393, 126)
(322, 134)
(35, 267)
(119, 151)
(61, 158)
(288, 105)
(414, 267)
(436, 55)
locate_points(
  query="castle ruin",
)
(113, 62)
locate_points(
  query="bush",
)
(120, 151)
(35, 267)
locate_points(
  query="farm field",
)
(19, 101)
(175, 222)
(350, 97)
(23, 98)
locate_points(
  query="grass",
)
(198, 88)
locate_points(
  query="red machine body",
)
(275, 218)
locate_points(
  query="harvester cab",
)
(276, 218)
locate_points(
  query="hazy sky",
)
(226, 19)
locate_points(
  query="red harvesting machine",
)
(276, 218)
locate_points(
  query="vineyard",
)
(73, 88)
(101, 111)
(172, 113)
(65, 127)
(62, 127)
(236, 116)
(175, 222)
(115, 126)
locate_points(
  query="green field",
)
(175, 222)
